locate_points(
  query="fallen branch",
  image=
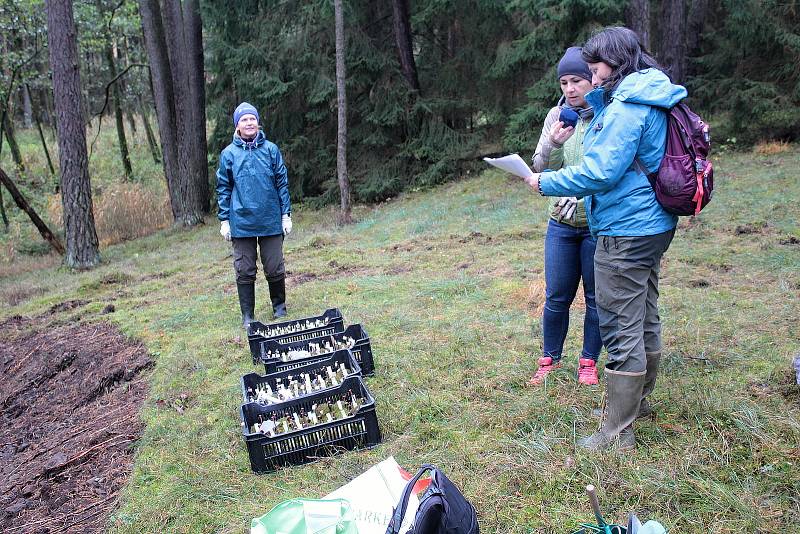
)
(44, 230)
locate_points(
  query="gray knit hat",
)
(244, 109)
(573, 63)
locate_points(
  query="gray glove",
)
(565, 208)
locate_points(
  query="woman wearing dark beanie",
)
(569, 245)
(254, 210)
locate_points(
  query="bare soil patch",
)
(70, 397)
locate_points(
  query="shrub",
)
(124, 211)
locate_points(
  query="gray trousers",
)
(245, 251)
(626, 291)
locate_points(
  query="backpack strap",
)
(402, 506)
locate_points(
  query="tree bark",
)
(16, 155)
(3, 211)
(178, 62)
(82, 249)
(402, 36)
(46, 233)
(673, 39)
(27, 108)
(116, 96)
(698, 10)
(197, 101)
(637, 18)
(184, 210)
(341, 98)
(41, 135)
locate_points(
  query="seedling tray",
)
(292, 331)
(307, 445)
(362, 350)
(307, 365)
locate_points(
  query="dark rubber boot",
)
(277, 294)
(653, 361)
(247, 302)
(624, 394)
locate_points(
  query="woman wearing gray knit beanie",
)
(569, 245)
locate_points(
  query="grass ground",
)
(449, 285)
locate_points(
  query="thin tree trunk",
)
(82, 249)
(673, 39)
(41, 136)
(27, 108)
(46, 233)
(637, 18)
(197, 101)
(16, 155)
(3, 210)
(341, 98)
(148, 132)
(402, 36)
(117, 98)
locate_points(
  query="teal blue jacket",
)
(630, 124)
(252, 187)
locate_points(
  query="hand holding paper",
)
(512, 163)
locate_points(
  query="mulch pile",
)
(70, 397)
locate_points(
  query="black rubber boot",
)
(247, 302)
(277, 294)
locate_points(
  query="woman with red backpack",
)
(633, 230)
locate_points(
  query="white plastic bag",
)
(373, 496)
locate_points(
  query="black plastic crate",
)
(303, 446)
(308, 365)
(292, 331)
(273, 351)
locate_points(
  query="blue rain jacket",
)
(631, 124)
(252, 187)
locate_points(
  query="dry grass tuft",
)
(769, 148)
(124, 211)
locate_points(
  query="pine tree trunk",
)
(117, 98)
(402, 35)
(27, 108)
(637, 18)
(46, 233)
(148, 132)
(164, 98)
(341, 98)
(41, 135)
(698, 10)
(16, 155)
(673, 39)
(178, 61)
(82, 249)
(197, 101)
(3, 210)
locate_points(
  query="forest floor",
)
(70, 398)
(449, 284)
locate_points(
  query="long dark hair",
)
(620, 49)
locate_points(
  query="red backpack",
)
(684, 180)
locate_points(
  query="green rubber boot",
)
(623, 394)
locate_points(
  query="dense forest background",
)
(432, 85)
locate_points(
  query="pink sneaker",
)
(546, 366)
(587, 372)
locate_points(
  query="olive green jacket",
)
(554, 157)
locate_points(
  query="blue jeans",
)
(568, 256)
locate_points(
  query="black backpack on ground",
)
(442, 508)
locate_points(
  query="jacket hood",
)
(651, 87)
(258, 141)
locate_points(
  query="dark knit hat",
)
(244, 109)
(573, 63)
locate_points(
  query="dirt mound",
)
(70, 399)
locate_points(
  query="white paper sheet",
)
(512, 163)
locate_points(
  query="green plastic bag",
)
(306, 516)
